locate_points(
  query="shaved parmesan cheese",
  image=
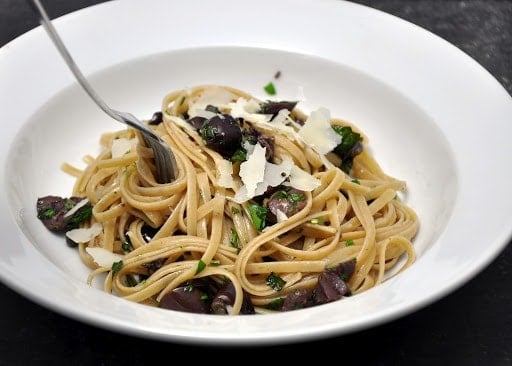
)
(282, 124)
(299, 179)
(122, 146)
(273, 175)
(84, 235)
(281, 216)
(103, 257)
(77, 207)
(241, 195)
(247, 109)
(318, 133)
(252, 171)
(216, 96)
(224, 174)
(282, 117)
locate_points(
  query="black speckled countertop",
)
(482, 29)
(470, 326)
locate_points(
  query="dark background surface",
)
(470, 326)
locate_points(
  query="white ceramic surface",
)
(435, 118)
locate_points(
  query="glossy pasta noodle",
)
(203, 223)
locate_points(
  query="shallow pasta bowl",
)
(420, 101)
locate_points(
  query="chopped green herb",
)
(233, 240)
(258, 216)
(239, 156)
(297, 197)
(235, 210)
(349, 242)
(116, 267)
(200, 266)
(282, 194)
(127, 246)
(346, 149)
(276, 304)
(270, 88)
(47, 214)
(356, 181)
(204, 296)
(274, 281)
(293, 197)
(68, 205)
(84, 213)
(209, 131)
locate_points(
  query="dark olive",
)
(197, 122)
(287, 201)
(254, 136)
(226, 297)
(52, 211)
(345, 269)
(298, 299)
(148, 232)
(154, 265)
(356, 149)
(330, 287)
(222, 134)
(186, 298)
(156, 118)
(273, 108)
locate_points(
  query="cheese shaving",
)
(103, 257)
(77, 207)
(318, 133)
(224, 174)
(247, 109)
(252, 171)
(299, 179)
(84, 235)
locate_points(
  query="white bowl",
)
(435, 118)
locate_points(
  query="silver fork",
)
(165, 162)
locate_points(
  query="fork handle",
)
(45, 21)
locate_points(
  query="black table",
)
(471, 326)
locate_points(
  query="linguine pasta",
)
(203, 224)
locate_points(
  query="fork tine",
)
(165, 162)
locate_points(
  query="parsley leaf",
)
(276, 304)
(200, 266)
(349, 147)
(274, 281)
(116, 267)
(258, 216)
(233, 240)
(270, 88)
